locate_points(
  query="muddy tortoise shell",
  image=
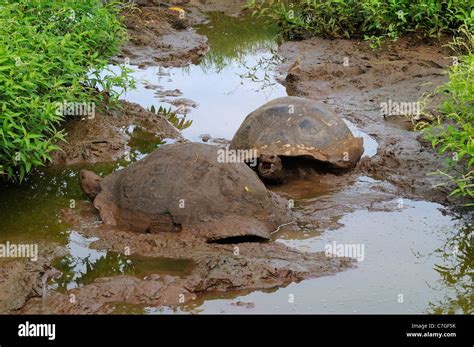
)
(185, 187)
(294, 126)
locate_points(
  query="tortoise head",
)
(90, 183)
(270, 168)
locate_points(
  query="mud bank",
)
(103, 138)
(232, 8)
(159, 36)
(218, 268)
(22, 279)
(164, 37)
(355, 81)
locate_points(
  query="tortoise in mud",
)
(291, 127)
(183, 187)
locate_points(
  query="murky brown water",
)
(400, 273)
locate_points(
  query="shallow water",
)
(31, 211)
(407, 251)
(232, 80)
(401, 270)
(84, 264)
(222, 84)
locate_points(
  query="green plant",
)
(51, 52)
(374, 20)
(451, 131)
(180, 123)
(463, 44)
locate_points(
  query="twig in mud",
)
(282, 225)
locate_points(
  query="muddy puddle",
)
(415, 256)
(233, 79)
(412, 257)
(227, 84)
(33, 211)
(83, 264)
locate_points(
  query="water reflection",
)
(83, 265)
(456, 270)
(231, 39)
(31, 211)
(234, 78)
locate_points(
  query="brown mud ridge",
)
(103, 139)
(22, 279)
(402, 72)
(219, 267)
(159, 36)
(231, 8)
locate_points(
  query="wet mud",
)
(218, 268)
(22, 280)
(103, 138)
(355, 80)
(158, 36)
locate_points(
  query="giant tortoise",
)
(183, 186)
(296, 127)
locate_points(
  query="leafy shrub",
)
(50, 52)
(374, 20)
(452, 130)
